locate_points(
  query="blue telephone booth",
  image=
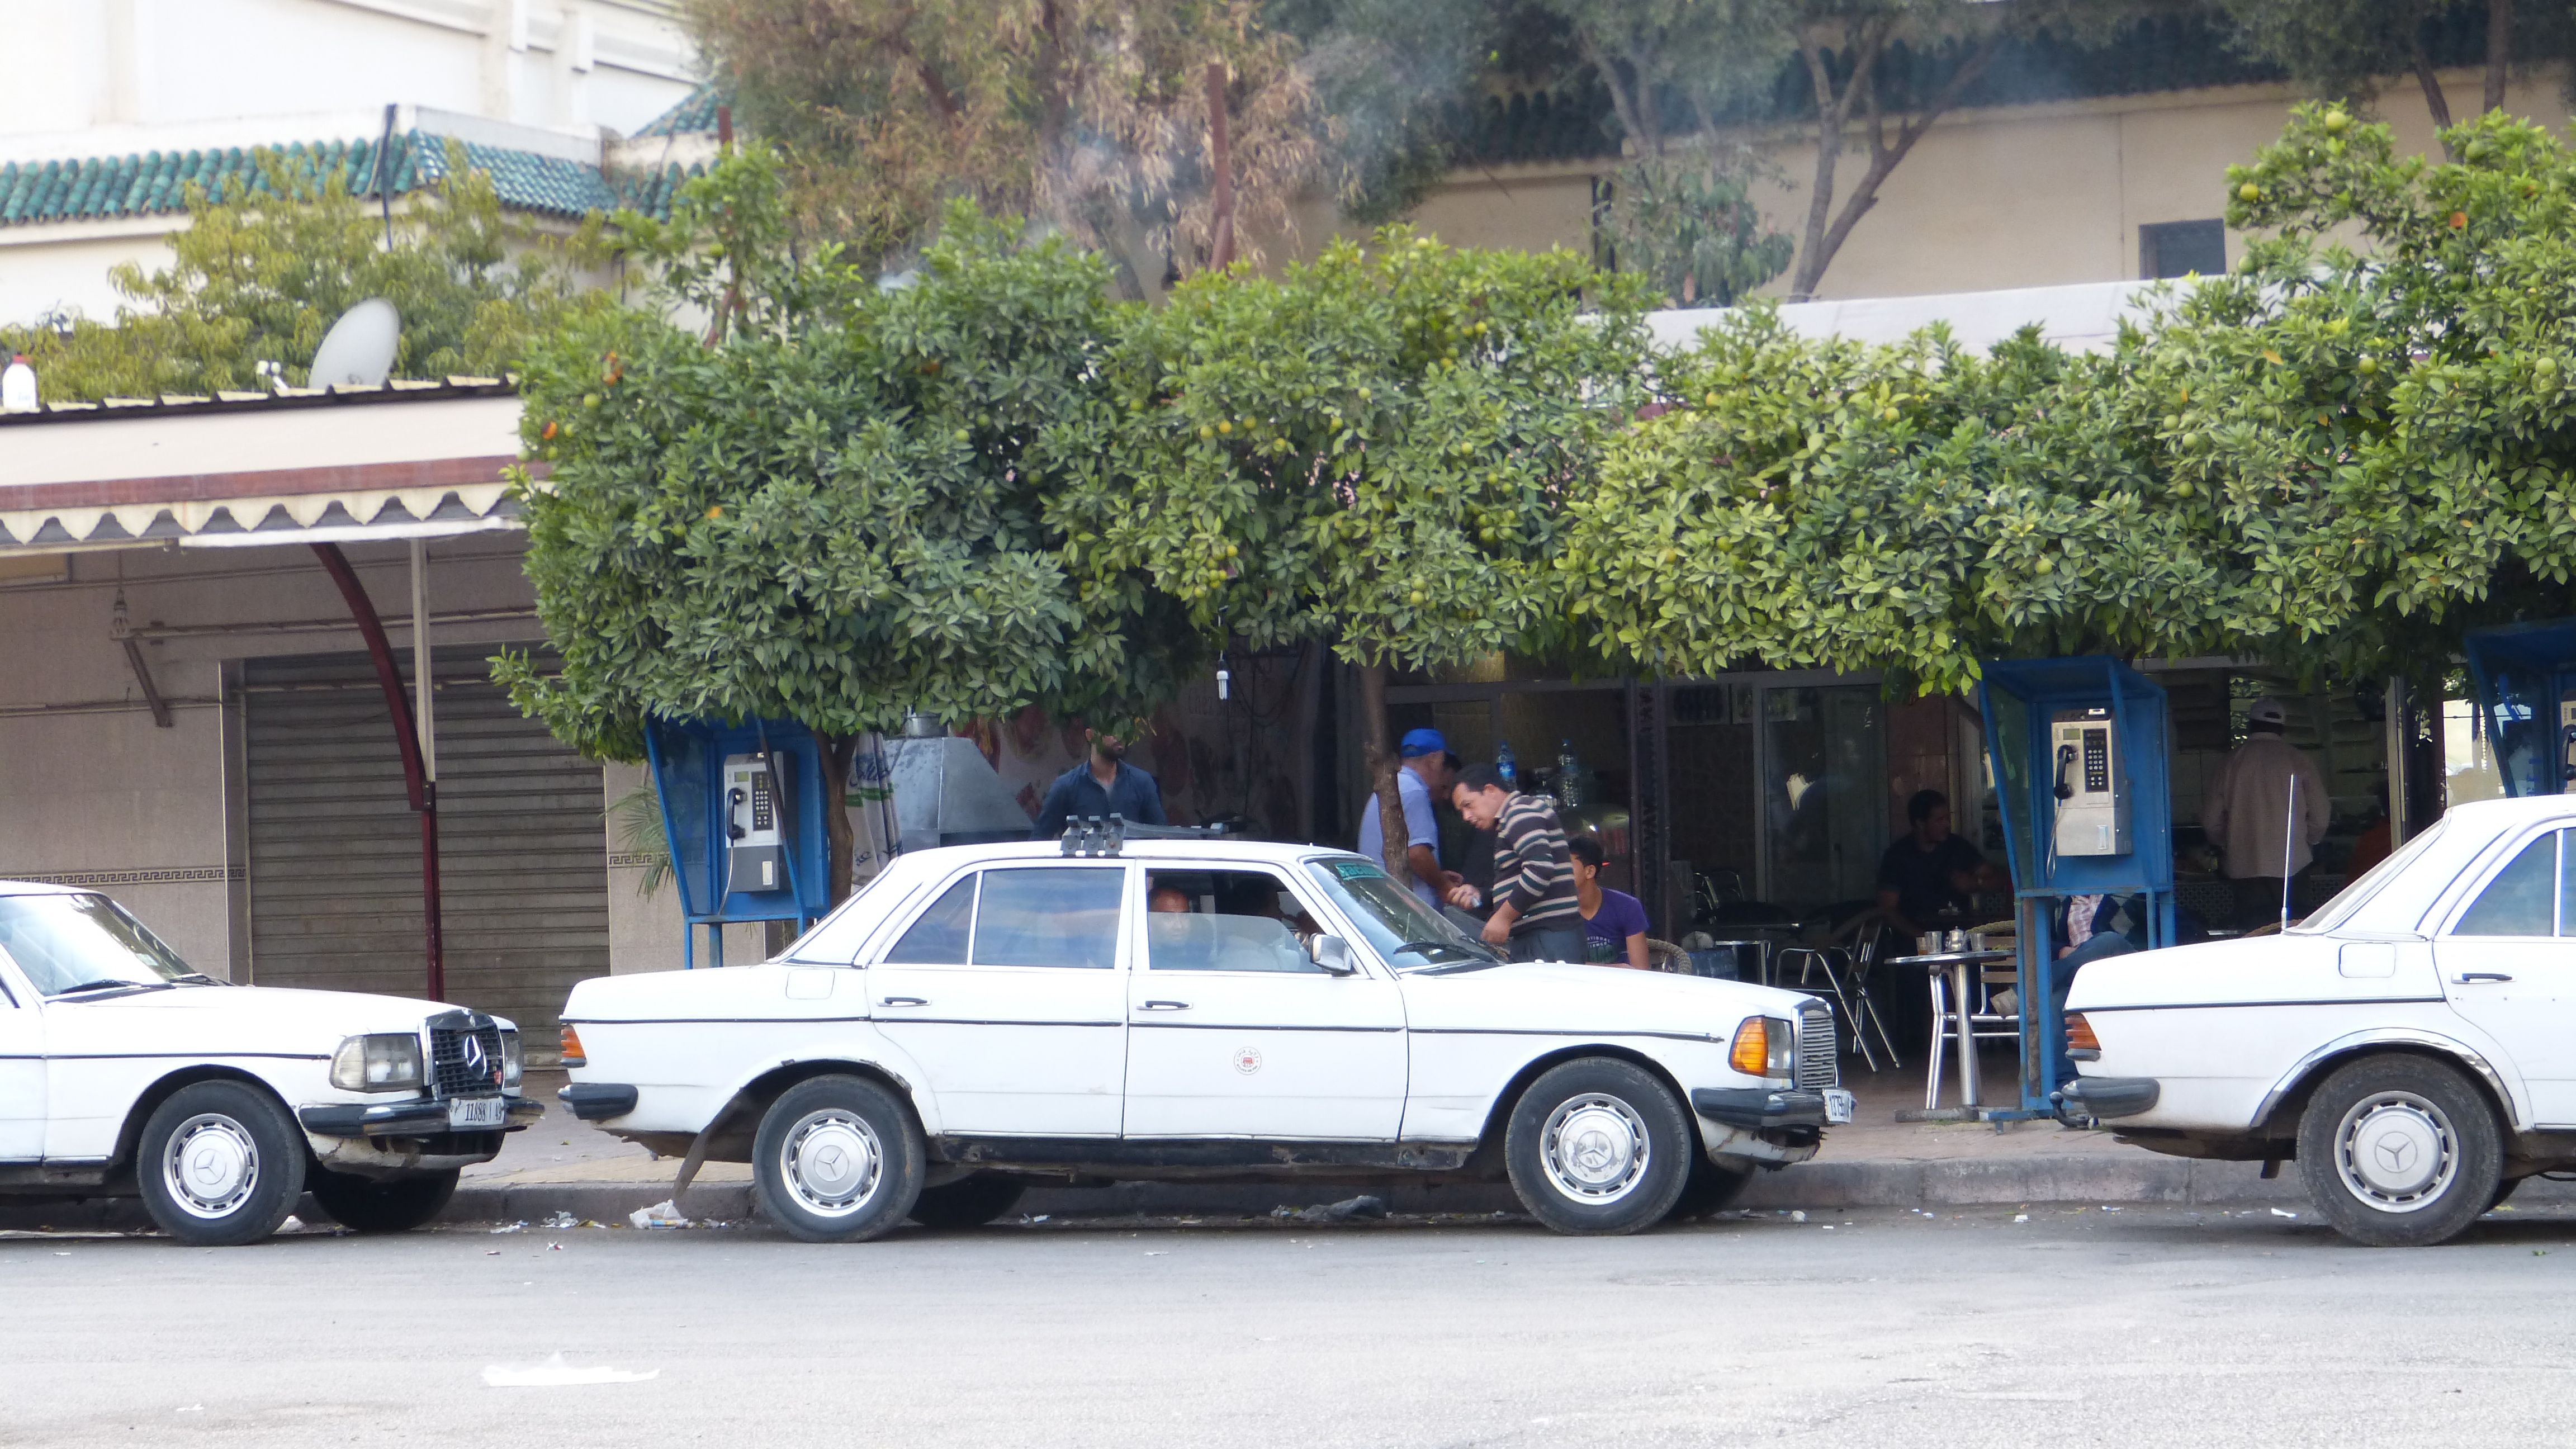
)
(2524, 676)
(742, 810)
(2079, 749)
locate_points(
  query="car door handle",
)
(1165, 1006)
(2470, 978)
(905, 1001)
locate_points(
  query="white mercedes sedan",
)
(1120, 1007)
(2412, 1045)
(124, 1073)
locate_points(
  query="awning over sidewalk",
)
(406, 461)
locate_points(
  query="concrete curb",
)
(2094, 1178)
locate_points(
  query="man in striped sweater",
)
(1534, 910)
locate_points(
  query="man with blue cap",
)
(1422, 779)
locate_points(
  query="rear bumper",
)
(404, 1119)
(597, 1101)
(1759, 1108)
(2087, 1100)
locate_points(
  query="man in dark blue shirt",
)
(1103, 785)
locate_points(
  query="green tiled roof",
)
(155, 183)
(694, 115)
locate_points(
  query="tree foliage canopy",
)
(1091, 114)
(2336, 457)
(836, 512)
(259, 275)
(1372, 450)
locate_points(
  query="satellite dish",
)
(359, 349)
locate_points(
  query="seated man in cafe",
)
(1614, 922)
(1927, 878)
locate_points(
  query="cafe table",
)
(1958, 964)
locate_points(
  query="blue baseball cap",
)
(1418, 743)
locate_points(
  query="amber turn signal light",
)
(572, 1056)
(2079, 1035)
(1751, 1052)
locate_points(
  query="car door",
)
(1234, 1031)
(2508, 963)
(22, 1070)
(1008, 990)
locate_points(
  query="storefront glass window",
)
(1825, 787)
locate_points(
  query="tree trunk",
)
(1824, 240)
(1379, 752)
(1221, 165)
(842, 842)
(2499, 50)
(2437, 104)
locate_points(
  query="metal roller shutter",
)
(335, 853)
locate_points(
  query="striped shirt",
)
(1532, 873)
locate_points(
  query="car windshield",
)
(2348, 900)
(1407, 934)
(73, 944)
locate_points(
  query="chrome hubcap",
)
(2396, 1152)
(831, 1162)
(1594, 1148)
(211, 1167)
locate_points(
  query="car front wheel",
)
(365, 1206)
(1598, 1146)
(837, 1160)
(2399, 1151)
(219, 1164)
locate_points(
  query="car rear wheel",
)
(969, 1202)
(2399, 1151)
(837, 1160)
(219, 1164)
(1598, 1146)
(398, 1206)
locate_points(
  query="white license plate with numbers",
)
(1838, 1105)
(470, 1112)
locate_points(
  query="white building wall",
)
(90, 787)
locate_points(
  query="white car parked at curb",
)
(2412, 1045)
(1125, 1007)
(124, 1073)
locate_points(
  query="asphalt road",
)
(2138, 1327)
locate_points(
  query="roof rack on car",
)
(1106, 835)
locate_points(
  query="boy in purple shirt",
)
(1614, 922)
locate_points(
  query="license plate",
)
(1838, 1105)
(468, 1112)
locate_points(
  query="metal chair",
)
(1847, 971)
(1984, 1022)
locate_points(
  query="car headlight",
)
(513, 1066)
(1764, 1046)
(385, 1062)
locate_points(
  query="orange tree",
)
(828, 505)
(1372, 451)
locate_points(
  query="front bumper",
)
(1758, 1109)
(420, 1118)
(2088, 1100)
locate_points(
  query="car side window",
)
(2522, 898)
(938, 937)
(1224, 920)
(1050, 916)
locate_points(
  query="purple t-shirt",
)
(1620, 916)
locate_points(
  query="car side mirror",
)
(1333, 955)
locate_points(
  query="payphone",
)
(759, 796)
(2092, 797)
